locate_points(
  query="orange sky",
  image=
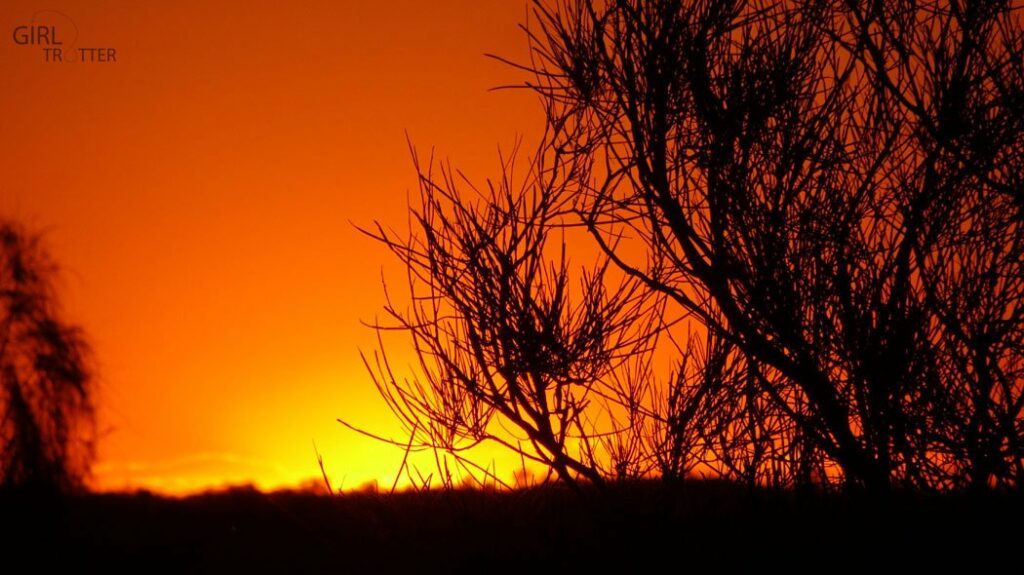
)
(198, 193)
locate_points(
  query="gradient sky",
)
(199, 194)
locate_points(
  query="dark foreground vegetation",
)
(809, 226)
(703, 525)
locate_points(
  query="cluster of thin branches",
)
(507, 335)
(809, 219)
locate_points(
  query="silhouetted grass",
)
(631, 527)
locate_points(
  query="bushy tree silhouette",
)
(829, 195)
(832, 187)
(46, 401)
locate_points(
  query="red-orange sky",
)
(198, 193)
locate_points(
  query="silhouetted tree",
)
(834, 189)
(824, 196)
(46, 402)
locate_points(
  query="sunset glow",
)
(342, 286)
(199, 192)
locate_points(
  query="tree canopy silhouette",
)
(831, 192)
(46, 388)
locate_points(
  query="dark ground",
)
(706, 527)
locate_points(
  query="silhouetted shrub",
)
(46, 401)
